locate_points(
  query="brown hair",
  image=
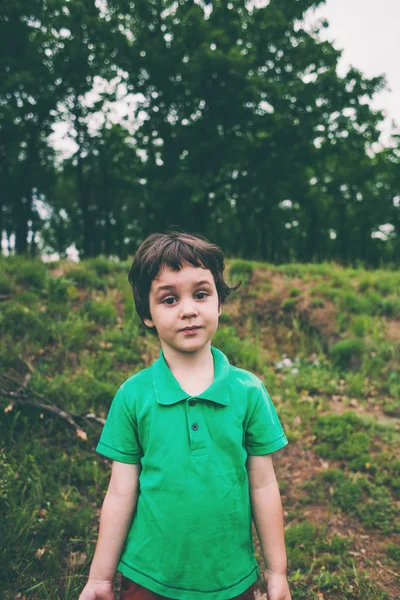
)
(174, 249)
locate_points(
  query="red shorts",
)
(133, 591)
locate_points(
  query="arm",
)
(116, 515)
(268, 519)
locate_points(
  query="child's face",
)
(180, 300)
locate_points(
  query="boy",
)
(191, 438)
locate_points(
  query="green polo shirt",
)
(191, 536)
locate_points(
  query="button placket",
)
(195, 424)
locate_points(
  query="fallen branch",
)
(21, 397)
(378, 562)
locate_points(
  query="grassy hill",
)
(326, 341)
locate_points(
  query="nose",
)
(188, 308)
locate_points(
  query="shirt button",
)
(192, 402)
(195, 427)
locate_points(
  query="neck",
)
(178, 361)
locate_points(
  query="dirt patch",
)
(267, 305)
(294, 465)
(393, 331)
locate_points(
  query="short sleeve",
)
(264, 433)
(119, 439)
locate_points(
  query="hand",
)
(277, 586)
(96, 589)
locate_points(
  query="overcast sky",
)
(368, 32)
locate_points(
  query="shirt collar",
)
(168, 391)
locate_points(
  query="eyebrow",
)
(165, 287)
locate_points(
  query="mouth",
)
(190, 329)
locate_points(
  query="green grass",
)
(316, 334)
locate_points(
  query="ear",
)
(148, 322)
(219, 310)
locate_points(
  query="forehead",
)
(188, 274)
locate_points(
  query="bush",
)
(390, 307)
(74, 335)
(325, 290)
(300, 541)
(338, 437)
(379, 511)
(241, 270)
(59, 289)
(86, 278)
(387, 283)
(289, 304)
(347, 352)
(365, 283)
(294, 292)
(21, 322)
(317, 303)
(241, 352)
(28, 298)
(393, 552)
(346, 495)
(5, 284)
(354, 303)
(360, 325)
(102, 313)
(103, 266)
(31, 273)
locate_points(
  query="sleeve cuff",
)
(130, 458)
(273, 446)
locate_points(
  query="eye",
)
(170, 300)
(202, 294)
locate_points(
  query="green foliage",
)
(60, 289)
(10, 353)
(103, 266)
(85, 277)
(326, 290)
(73, 334)
(241, 270)
(393, 551)
(225, 318)
(21, 322)
(300, 540)
(78, 352)
(44, 503)
(387, 283)
(317, 303)
(242, 352)
(102, 313)
(392, 408)
(30, 273)
(5, 475)
(304, 541)
(289, 304)
(353, 303)
(6, 285)
(28, 298)
(347, 352)
(358, 496)
(340, 437)
(390, 307)
(347, 494)
(360, 325)
(87, 389)
(379, 511)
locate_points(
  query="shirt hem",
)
(183, 593)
